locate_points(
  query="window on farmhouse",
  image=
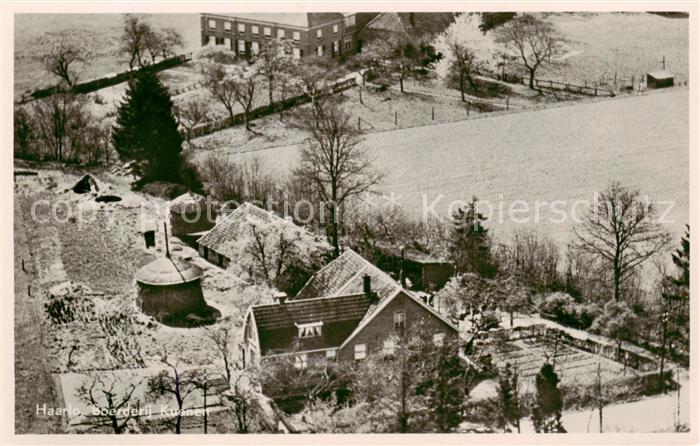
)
(399, 321)
(335, 29)
(212, 24)
(310, 330)
(389, 347)
(255, 30)
(319, 33)
(350, 21)
(296, 35)
(227, 26)
(280, 33)
(330, 354)
(267, 31)
(300, 361)
(241, 27)
(438, 339)
(360, 351)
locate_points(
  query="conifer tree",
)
(546, 415)
(471, 244)
(146, 130)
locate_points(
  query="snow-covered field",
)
(563, 153)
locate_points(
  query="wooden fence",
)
(104, 82)
(265, 110)
(559, 86)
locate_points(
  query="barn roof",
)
(168, 271)
(222, 238)
(661, 74)
(299, 20)
(188, 202)
(277, 323)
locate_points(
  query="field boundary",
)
(108, 81)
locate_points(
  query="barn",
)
(659, 79)
(170, 290)
(191, 215)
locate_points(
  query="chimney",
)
(280, 297)
(367, 284)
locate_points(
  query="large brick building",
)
(323, 34)
(348, 310)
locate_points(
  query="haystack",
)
(189, 215)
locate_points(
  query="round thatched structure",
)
(170, 290)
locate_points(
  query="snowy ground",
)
(562, 153)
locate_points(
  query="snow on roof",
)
(168, 271)
(660, 74)
(226, 236)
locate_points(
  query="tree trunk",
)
(461, 86)
(532, 80)
(270, 80)
(617, 279)
(401, 83)
(600, 419)
(334, 228)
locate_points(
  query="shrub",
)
(562, 308)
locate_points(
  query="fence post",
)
(433, 113)
(358, 123)
(467, 108)
(507, 102)
(396, 118)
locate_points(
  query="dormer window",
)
(309, 330)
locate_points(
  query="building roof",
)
(299, 20)
(168, 271)
(344, 275)
(661, 74)
(411, 24)
(188, 202)
(223, 237)
(412, 254)
(277, 323)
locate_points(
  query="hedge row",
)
(265, 110)
(98, 84)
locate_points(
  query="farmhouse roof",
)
(168, 271)
(277, 323)
(411, 24)
(222, 237)
(299, 20)
(344, 275)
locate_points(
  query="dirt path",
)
(34, 385)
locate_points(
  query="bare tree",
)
(59, 120)
(135, 40)
(111, 398)
(162, 43)
(64, 53)
(620, 231)
(333, 161)
(175, 381)
(237, 87)
(190, 115)
(535, 41)
(275, 59)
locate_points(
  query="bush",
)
(562, 308)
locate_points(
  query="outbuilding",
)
(170, 290)
(190, 216)
(659, 79)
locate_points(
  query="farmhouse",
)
(318, 34)
(227, 241)
(348, 310)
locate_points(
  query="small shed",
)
(191, 213)
(170, 290)
(659, 79)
